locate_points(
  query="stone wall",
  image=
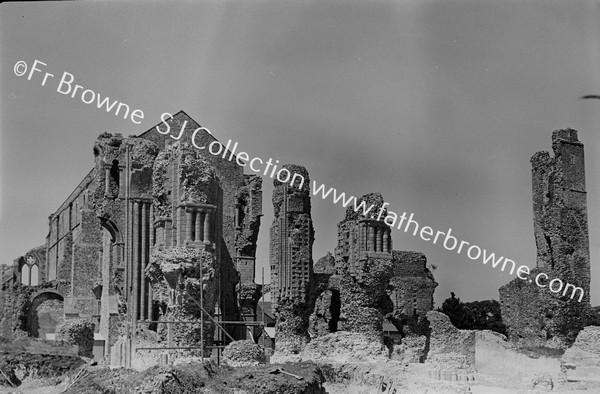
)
(291, 240)
(143, 194)
(231, 179)
(177, 282)
(77, 332)
(364, 265)
(247, 218)
(540, 316)
(581, 362)
(495, 356)
(46, 313)
(447, 339)
(411, 290)
(367, 281)
(14, 316)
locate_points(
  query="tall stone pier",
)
(554, 314)
(291, 240)
(364, 263)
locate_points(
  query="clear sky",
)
(438, 105)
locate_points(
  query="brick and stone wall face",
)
(412, 286)
(292, 236)
(367, 281)
(539, 316)
(62, 225)
(14, 316)
(178, 275)
(232, 241)
(87, 256)
(560, 210)
(363, 262)
(291, 240)
(101, 238)
(447, 339)
(46, 313)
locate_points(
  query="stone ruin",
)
(291, 239)
(159, 230)
(348, 294)
(537, 316)
(154, 228)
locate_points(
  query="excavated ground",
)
(202, 378)
(25, 360)
(31, 370)
(187, 378)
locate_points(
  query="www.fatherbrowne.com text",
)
(405, 222)
(88, 96)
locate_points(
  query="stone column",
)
(122, 183)
(136, 261)
(188, 226)
(386, 240)
(117, 253)
(152, 228)
(106, 181)
(167, 233)
(377, 241)
(144, 260)
(207, 218)
(371, 243)
(202, 217)
(198, 237)
(361, 242)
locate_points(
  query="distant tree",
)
(477, 315)
(594, 319)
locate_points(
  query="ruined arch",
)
(113, 250)
(113, 229)
(45, 314)
(24, 272)
(29, 267)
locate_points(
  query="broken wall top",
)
(375, 199)
(298, 198)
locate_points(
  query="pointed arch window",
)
(29, 271)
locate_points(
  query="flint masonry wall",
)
(412, 291)
(291, 240)
(537, 316)
(560, 210)
(367, 276)
(100, 238)
(231, 179)
(364, 265)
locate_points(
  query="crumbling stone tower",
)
(411, 289)
(555, 314)
(560, 210)
(364, 263)
(187, 214)
(368, 281)
(291, 240)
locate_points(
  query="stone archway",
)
(47, 312)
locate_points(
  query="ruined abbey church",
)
(159, 230)
(157, 245)
(153, 223)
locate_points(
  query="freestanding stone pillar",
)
(292, 237)
(554, 314)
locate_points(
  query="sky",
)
(437, 105)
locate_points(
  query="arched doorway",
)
(47, 312)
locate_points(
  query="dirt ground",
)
(30, 371)
(188, 378)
